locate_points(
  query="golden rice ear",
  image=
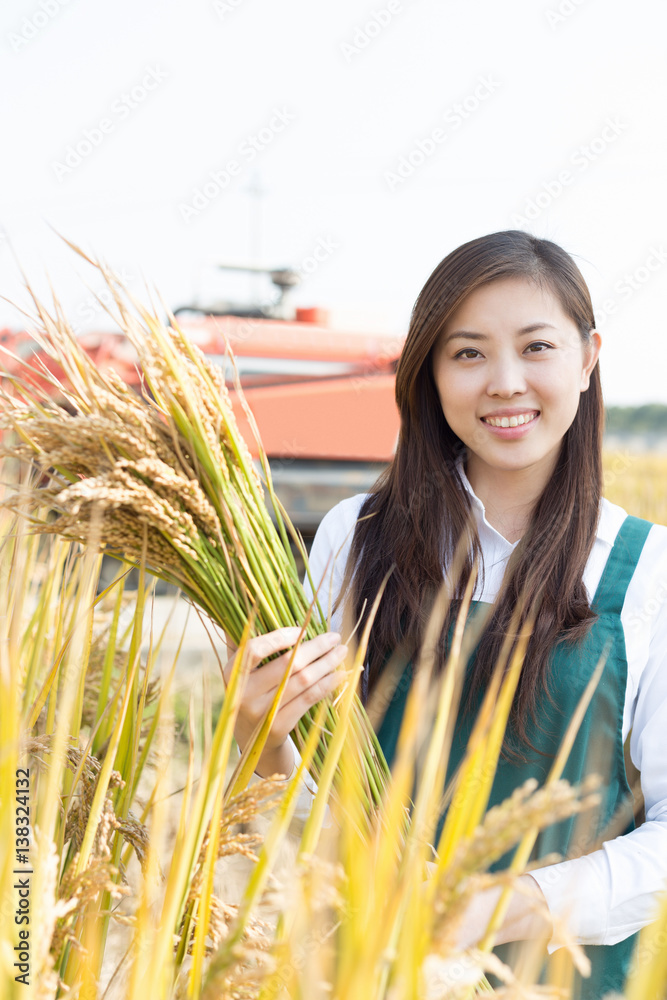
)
(173, 479)
(356, 911)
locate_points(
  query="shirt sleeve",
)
(609, 894)
(328, 557)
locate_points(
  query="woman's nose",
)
(506, 378)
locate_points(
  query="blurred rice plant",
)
(638, 483)
(310, 930)
(356, 915)
(368, 908)
(166, 479)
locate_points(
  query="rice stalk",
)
(359, 919)
(169, 476)
(522, 854)
(648, 975)
(344, 925)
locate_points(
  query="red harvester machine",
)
(323, 399)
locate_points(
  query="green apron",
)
(598, 747)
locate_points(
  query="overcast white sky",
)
(318, 102)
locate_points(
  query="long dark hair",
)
(421, 509)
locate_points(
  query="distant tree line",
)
(648, 419)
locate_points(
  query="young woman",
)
(498, 389)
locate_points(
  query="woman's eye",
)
(467, 352)
(538, 347)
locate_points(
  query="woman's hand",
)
(314, 675)
(527, 915)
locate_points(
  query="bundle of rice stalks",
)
(170, 480)
(356, 919)
(89, 898)
(165, 481)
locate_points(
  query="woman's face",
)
(509, 366)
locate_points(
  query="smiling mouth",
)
(514, 421)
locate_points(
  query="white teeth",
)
(522, 418)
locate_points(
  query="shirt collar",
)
(485, 530)
(609, 521)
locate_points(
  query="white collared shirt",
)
(609, 894)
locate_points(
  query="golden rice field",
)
(140, 857)
(638, 483)
(301, 923)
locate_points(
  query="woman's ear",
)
(591, 355)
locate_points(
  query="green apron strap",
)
(620, 566)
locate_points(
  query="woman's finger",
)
(324, 649)
(312, 649)
(310, 673)
(290, 713)
(264, 645)
(272, 642)
(259, 696)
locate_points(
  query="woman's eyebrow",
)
(474, 335)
